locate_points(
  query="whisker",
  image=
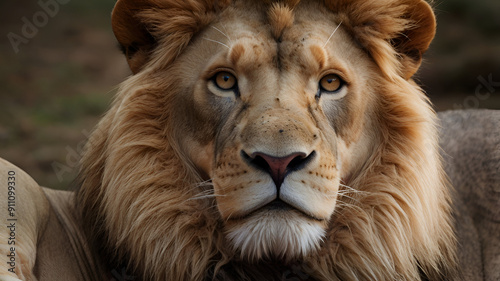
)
(332, 194)
(205, 197)
(225, 29)
(205, 189)
(344, 205)
(342, 210)
(332, 34)
(230, 215)
(215, 41)
(257, 35)
(352, 189)
(207, 183)
(222, 33)
(204, 192)
(349, 197)
(200, 186)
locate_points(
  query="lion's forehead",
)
(251, 42)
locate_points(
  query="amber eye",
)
(225, 80)
(331, 83)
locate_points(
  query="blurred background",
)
(59, 72)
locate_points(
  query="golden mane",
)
(137, 184)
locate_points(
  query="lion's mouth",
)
(278, 206)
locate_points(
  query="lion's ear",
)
(132, 33)
(415, 40)
(142, 25)
(396, 33)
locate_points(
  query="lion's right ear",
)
(142, 25)
(132, 33)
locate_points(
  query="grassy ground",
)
(55, 88)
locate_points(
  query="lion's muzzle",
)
(277, 154)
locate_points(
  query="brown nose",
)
(278, 167)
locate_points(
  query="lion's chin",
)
(279, 233)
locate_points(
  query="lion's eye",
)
(224, 81)
(331, 83)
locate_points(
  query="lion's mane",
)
(137, 184)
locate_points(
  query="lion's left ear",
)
(396, 33)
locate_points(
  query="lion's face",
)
(270, 130)
(277, 124)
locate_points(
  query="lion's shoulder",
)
(25, 211)
(62, 246)
(44, 236)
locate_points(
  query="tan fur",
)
(280, 18)
(24, 205)
(372, 202)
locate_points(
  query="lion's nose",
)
(278, 167)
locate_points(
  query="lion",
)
(255, 140)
